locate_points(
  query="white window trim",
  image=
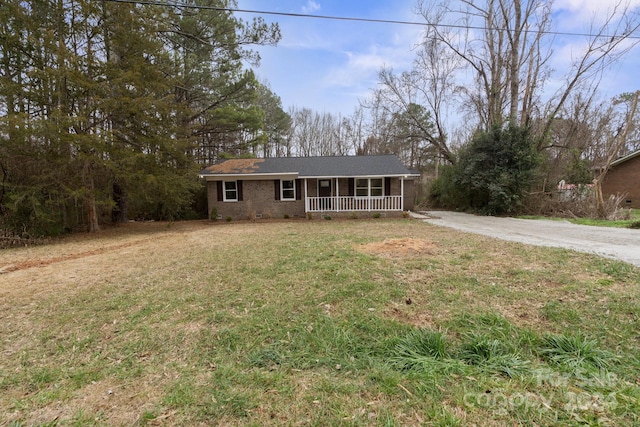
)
(355, 189)
(381, 187)
(224, 191)
(282, 189)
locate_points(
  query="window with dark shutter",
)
(239, 190)
(219, 190)
(387, 186)
(298, 189)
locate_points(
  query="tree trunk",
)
(120, 213)
(92, 213)
(90, 199)
(514, 66)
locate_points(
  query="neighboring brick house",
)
(298, 186)
(623, 177)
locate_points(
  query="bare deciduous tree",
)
(430, 85)
(506, 45)
(501, 41)
(324, 134)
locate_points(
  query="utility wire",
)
(341, 18)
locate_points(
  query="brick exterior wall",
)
(409, 201)
(624, 179)
(259, 199)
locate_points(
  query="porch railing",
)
(352, 204)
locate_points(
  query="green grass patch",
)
(632, 222)
(574, 352)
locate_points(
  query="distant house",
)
(624, 178)
(298, 186)
(573, 192)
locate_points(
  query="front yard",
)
(350, 322)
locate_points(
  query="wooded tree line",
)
(372, 129)
(108, 109)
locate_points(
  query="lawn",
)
(343, 322)
(632, 222)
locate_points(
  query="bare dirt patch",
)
(41, 262)
(113, 402)
(410, 313)
(85, 245)
(403, 247)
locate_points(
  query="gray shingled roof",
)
(312, 167)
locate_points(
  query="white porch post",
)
(306, 199)
(368, 194)
(402, 194)
(337, 199)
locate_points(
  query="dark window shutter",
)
(219, 189)
(298, 189)
(387, 186)
(352, 185)
(276, 189)
(239, 187)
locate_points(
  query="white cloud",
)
(593, 6)
(363, 67)
(583, 14)
(332, 64)
(358, 67)
(311, 6)
(361, 62)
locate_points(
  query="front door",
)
(325, 191)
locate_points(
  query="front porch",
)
(353, 204)
(346, 194)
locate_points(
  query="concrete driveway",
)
(618, 243)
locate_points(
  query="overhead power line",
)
(341, 18)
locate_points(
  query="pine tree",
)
(103, 103)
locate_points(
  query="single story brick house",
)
(623, 177)
(299, 186)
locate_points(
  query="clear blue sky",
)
(329, 65)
